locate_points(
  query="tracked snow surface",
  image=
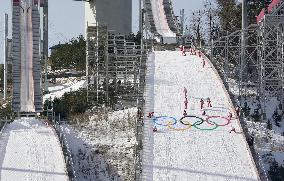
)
(199, 147)
(29, 150)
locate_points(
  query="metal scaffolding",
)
(263, 56)
(226, 55)
(256, 62)
(271, 39)
(114, 69)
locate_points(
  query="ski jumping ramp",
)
(26, 61)
(158, 19)
(196, 147)
(29, 150)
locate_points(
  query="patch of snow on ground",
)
(103, 147)
(64, 85)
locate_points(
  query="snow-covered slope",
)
(198, 147)
(29, 150)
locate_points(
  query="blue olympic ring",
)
(155, 119)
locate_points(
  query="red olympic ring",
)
(225, 124)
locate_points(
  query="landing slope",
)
(29, 150)
(199, 147)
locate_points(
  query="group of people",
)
(192, 51)
(201, 103)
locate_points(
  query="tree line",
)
(221, 17)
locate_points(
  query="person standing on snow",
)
(185, 92)
(183, 50)
(155, 129)
(180, 48)
(203, 63)
(201, 104)
(230, 116)
(199, 53)
(209, 102)
(185, 103)
(238, 111)
(150, 114)
(184, 113)
(233, 129)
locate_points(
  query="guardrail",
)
(2, 125)
(65, 149)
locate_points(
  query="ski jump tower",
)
(26, 59)
(115, 14)
(161, 20)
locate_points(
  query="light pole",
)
(5, 55)
(243, 62)
(45, 42)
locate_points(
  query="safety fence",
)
(3, 124)
(56, 122)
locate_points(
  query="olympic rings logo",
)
(187, 123)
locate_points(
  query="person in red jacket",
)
(209, 102)
(199, 53)
(233, 129)
(201, 104)
(184, 113)
(185, 103)
(185, 92)
(150, 114)
(230, 116)
(183, 50)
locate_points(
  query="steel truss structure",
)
(256, 62)
(270, 51)
(260, 62)
(115, 69)
(227, 56)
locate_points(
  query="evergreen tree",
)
(276, 117)
(276, 172)
(71, 55)
(246, 109)
(269, 125)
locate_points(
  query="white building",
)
(115, 14)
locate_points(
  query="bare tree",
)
(196, 27)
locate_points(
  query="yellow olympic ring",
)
(170, 126)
